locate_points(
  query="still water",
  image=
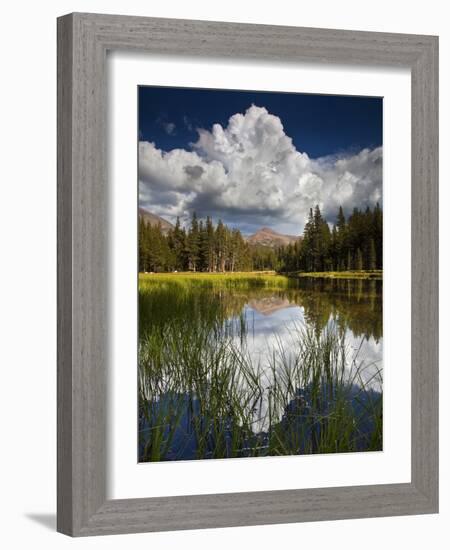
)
(353, 308)
(255, 392)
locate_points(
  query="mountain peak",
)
(266, 236)
(267, 230)
(153, 219)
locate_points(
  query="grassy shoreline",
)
(237, 278)
(206, 274)
(376, 274)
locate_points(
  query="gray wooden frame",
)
(83, 40)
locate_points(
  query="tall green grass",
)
(200, 390)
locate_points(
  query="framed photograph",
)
(247, 274)
(260, 280)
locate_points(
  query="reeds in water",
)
(202, 394)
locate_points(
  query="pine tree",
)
(178, 241)
(340, 223)
(143, 246)
(210, 246)
(359, 260)
(193, 244)
(316, 250)
(236, 250)
(372, 256)
(221, 246)
(377, 234)
(333, 252)
(307, 250)
(341, 241)
(349, 261)
(202, 247)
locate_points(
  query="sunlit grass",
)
(245, 278)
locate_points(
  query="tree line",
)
(200, 247)
(351, 244)
(355, 243)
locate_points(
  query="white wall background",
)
(28, 271)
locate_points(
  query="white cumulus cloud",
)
(249, 174)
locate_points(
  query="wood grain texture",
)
(256, 508)
(83, 40)
(64, 267)
(425, 272)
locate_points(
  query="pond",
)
(245, 365)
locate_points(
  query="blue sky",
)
(257, 158)
(318, 124)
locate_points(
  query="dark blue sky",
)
(318, 124)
